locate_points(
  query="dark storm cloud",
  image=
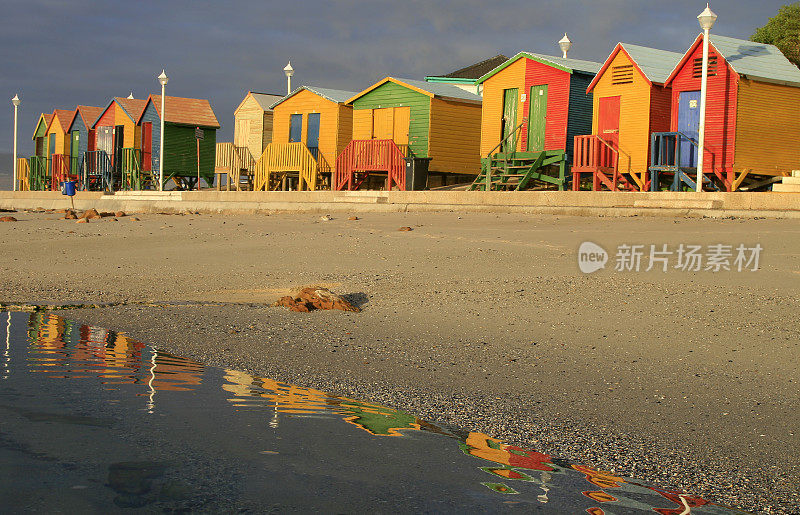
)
(57, 54)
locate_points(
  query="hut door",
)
(402, 120)
(537, 119)
(608, 120)
(119, 142)
(147, 146)
(689, 124)
(312, 134)
(39, 146)
(383, 123)
(242, 133)
(52, 145)
(104, 140)
(509, 120)
(295, 128)
(74, 151)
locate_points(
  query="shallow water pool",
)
(94, 421)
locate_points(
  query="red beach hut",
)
(752, 122)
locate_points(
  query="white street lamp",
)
(706, 19)
(289, 71)
(16, 101)
(565, 44)
(163, 79)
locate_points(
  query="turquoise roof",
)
(441, 89)
(655, 64)
(756, 60)
(567, 64)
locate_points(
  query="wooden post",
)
(198, 163)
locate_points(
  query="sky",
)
(57, 53)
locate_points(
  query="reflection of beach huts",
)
(183, 117)
(310, 127)
(431, 127)
(630, 102)
(117, 139)
(38, 172)
(59, 147)
(533, 107)
(467, 78)
(752, 122)
(82, 140)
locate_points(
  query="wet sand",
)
(483, 321)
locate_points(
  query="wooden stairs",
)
(514, 171)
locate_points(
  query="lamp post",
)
(706, 19)
(289, 71)
(16, 101)
(163, 79)
(565, 44)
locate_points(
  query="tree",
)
(783, 31)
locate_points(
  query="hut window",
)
(622, 74)
(697, 66)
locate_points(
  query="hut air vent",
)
(622, 74)
(697, 66)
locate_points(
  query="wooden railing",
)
(593, 152)
(666, 149)
(232, 160)
(39, 173)
(23, 175)
(60, 170)
(281, 158)
(97, 170)
(133, 177)
(371, 155)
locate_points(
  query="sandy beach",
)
(482, 321)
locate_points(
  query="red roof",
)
(185, 111)
(133, 106)
(64, 118)
(88, 114)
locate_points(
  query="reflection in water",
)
(7, 352)
(58, 348)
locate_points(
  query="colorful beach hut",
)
(38, 171)
(431, 127)
(59, 147)
(311, 126)
(186, 118)
(630, 102)
(253, 118)
(752, 122)
(251, 134)
(82, 140)
(117, 139)
(533, 107)
(467, 77)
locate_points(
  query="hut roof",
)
(477, 70)
(87, 113)
(655, 65)
(334, 95)
(264, 100)
(753, 60)
(64, 117)
(184, 111)
(431, 89)
(132, 106)
(566, 64)
(44, 116)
